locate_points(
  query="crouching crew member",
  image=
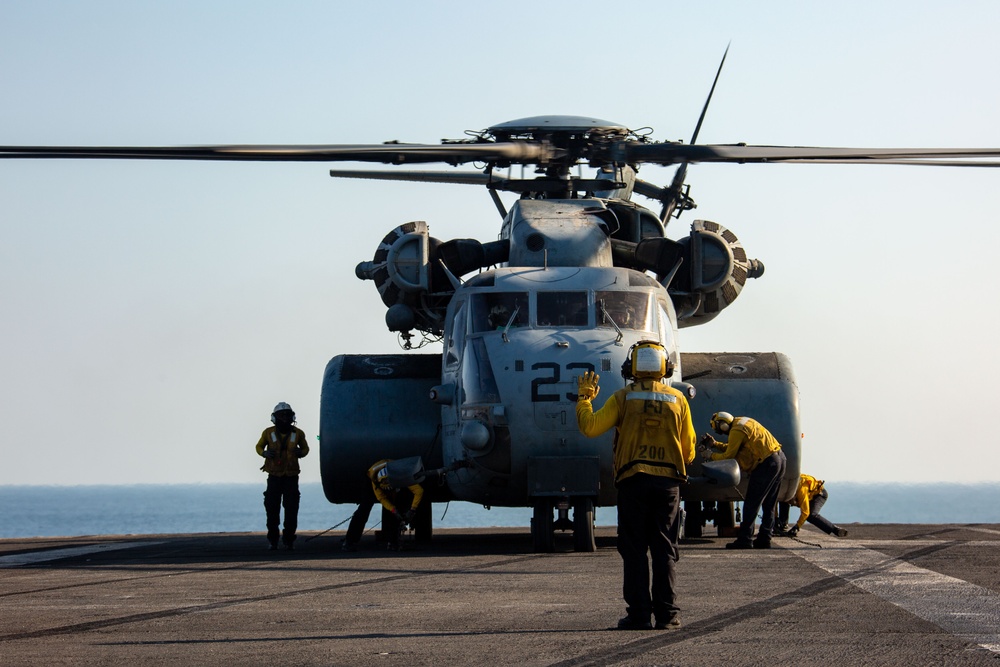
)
(282, 445)
(654, 441)
(400, 502)
(810, 498)
(759, 456)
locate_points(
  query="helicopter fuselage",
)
(511, 382)
(496, 409)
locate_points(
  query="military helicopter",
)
(579, 274)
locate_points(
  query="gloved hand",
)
(707, 440)
(299, 453)
(793, 531)
(408, 516)
(269, 454)
(587, 385)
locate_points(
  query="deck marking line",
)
(32, 557)
(956, 606)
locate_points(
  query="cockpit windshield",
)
(562, 309)
(629, 310)
(493, 311)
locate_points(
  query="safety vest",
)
(286, 458)
(653, 420)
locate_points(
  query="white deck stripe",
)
(956, 606)
(30, 558)
(982, 530)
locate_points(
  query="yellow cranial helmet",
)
(722, 422)
(647, 359)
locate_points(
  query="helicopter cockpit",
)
(500, 311)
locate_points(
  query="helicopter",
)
(578, 274)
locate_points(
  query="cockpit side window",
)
(562, 309)
(492, 311)
(479, 384)
(629, 310)
(457, 340)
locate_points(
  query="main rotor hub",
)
(539, 127)
(581, 137)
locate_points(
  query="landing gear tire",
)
(542, 535)
(724, 516)
(694, 520)
(583, 525)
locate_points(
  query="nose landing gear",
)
(543, 526)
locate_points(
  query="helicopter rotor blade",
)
(672, 196)
(457, 177)
(922, 163)
(675, 153)
(651, 190)
(388, 153)
(516, 152)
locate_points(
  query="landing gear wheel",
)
(724, 516)
(542, 536)
(583, 525)
(694, 520)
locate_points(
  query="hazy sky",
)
(154, 313)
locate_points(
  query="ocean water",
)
(57, 511)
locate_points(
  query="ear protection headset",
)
(647, 359)
(722, 422)
(278, 408)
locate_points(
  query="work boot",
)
(273, 546)
(740, 543)
(672, 621)
(840, 532)
(348, 546)
(634, 623)
(762, 542)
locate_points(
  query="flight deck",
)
(885, 595)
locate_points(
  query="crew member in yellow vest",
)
(760, 459)
(400, 503)
(810, 498)
(654, 442)
(282, 445)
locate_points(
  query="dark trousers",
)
(358, 521)
(402, 499)
(762, 494)
(783, 515)
(815, 505)
(649, 521)
(282, 491)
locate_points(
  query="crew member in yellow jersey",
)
(810, 498)
(654, 442)
(400, 502)
(282, 445)
(759, 456)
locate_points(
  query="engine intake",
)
(717, 271)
